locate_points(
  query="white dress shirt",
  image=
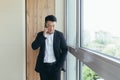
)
(49, 53)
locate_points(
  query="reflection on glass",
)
(101, 26)
(88, 74)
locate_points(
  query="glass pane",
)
(100, 25)
(71, 22)
(88, 74)
(71, 67)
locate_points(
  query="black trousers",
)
(49, 73)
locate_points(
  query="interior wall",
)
(12, 40)
(59, 12)
(37, 10)
(13, 37)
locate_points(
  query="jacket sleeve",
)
(38, 41)
(64, 49)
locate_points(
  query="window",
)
(71, 38)
(71, 67)
(92, 28)
(100, 26)
(71, 22)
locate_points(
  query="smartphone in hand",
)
(45, 30)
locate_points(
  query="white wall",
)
(59, 12)
(12, 40)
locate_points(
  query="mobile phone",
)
(45, 26)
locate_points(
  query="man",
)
(53, 50)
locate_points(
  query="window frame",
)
(105, 66)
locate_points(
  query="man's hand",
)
(45, 31)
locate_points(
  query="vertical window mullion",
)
(78, 35)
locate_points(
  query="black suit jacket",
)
(59, 46)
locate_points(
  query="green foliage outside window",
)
(88, 74)
(104, 42)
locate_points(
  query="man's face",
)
(50, 25)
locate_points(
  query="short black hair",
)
(50, 18)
